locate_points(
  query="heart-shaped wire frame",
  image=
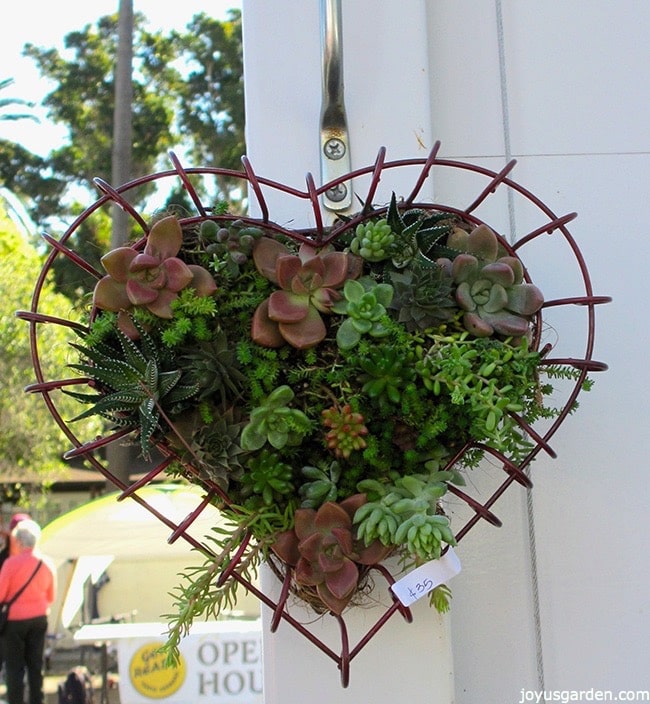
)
(508, 472)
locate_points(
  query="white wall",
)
(578, 121)
(563, 87)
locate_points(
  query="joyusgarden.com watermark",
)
(539, 696)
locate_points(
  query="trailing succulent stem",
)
(201, 593)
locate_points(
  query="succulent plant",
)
(417, 233)
(274, 422)
(151, 278)
(423, 296)
(214, 447)
(407, 512)
(231, 246)
(386, 371)
(308, 285)
(373, 240)
(212, 367)
(325, 553)
(266, 480)
(134, 385)
(490, 288)
(364, 302)
(322, 485)
(347, 430)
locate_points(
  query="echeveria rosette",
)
(153, 277)
(308, 283)
(323, 549)
(490, 288)
(364, 303)
(274, 422)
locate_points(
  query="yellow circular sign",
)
(151, 676)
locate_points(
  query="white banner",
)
(220, 662)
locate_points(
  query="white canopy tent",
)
(122, 549)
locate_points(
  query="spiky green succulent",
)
(423, 297)
(418, 234)
(212, 366)
(136, 383)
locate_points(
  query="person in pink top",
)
(23, 641)
(9, 547)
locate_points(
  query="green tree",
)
(187, 96)
(7, 102)
(30, 442)
(211, 107)
(83, 99)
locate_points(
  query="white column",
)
(387, 102)
(403, 661)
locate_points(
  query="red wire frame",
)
(321, 235)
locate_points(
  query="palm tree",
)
(118, 456)
(6, 102)
(10, 203)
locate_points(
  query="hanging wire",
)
(530, 509)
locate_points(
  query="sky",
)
(45, 24)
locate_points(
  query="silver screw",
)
(334, 148)
(337, 193)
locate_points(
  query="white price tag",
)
(420, 581)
